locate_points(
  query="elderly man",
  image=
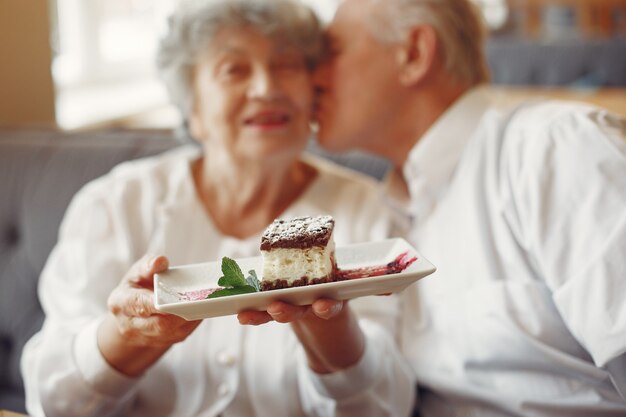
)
(522, 208)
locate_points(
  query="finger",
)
(132, 302)
(159, 264)
(286, 313)
(164, 326)
(253, 318)
(151, 264)
(143, 304)
(159, 330)
(326, 308)
(143, 271)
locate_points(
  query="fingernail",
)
(335, 308)
(277, 313)
(159, 262)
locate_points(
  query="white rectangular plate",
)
(169, 285)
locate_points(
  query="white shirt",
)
(223, 368)
(523, 211)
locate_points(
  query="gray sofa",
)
(574, 62)
(40, 171)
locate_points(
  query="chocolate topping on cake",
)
(298, 233)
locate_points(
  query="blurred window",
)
(495, 12)
(556, 19)
(106, 40)
(104, 58)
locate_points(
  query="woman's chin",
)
(271, 153)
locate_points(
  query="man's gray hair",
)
(193, 25)
(459, 26)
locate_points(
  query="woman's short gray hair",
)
(193, 25)
(459, 26)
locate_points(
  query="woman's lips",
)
(268, 119)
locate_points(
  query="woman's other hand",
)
(286, 313)
(327, 330)
(134, 335)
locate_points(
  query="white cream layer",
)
(293, 264)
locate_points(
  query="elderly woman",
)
(240, 73)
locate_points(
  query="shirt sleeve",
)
(379, 384)
(571, 197)
(64, 372)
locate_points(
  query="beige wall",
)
(26, 89)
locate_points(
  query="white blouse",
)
(223, 368)
(523, 210)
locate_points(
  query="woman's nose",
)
(265, 85)
(321, 76)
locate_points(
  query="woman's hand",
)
(327, 329)
(135, 335)
(286, 313)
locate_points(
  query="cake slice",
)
(298, 252)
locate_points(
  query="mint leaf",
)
(233, 281)
(253, 281)
(233, 277)
(245, 289)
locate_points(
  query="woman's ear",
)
(417, 56)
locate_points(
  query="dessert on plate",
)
(298, 252)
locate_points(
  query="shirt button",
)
(223, 390)
(226, 359)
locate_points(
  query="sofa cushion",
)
(40, 171)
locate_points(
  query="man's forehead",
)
(350, 14)
(351, 7)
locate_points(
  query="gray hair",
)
(192, 26)
(459, 26)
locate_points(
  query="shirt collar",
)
(395, 195)
(433, 159)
